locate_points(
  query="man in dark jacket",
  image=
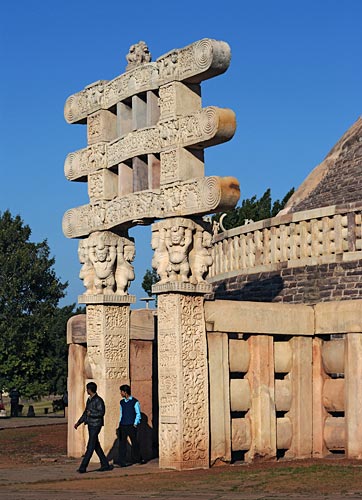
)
(14, 402)
(93, 416)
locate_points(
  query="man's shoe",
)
(81, 471)
(105, 468)
(119, 464)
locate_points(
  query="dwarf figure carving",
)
(160, 260)
(87, 270)
(125, 270)
(200, 256)
(102, 254)
(178, 241)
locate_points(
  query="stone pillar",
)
(182, 258)
(353, 394)
(220, 421)
(76, 381)
(77, 359)
(262, 412)
(108, 332)
(183, 382)
(319, 412)
(300, 412)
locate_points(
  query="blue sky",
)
(294, 82)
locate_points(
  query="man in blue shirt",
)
(130, 418)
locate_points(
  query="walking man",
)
(130, 418)
(93, 416)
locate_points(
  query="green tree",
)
(150, 278)
(58, 349)
(254, 209)
(30, 320)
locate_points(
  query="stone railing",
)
(319, 236)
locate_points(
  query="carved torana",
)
(144, 161)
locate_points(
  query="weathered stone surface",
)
(192, 64)
(241, 434)
(262, 411)
(76, 440)
(333, 356)
(198, 196)
(141, 385)
(335, 433)
(353, 395)
(337, 179)
(301, 410)
(240, 399)
(284, 433)
(282, 357)
(77, 329)
(220, 438)
(239, 355)
(319, 412)
(251, 317)
(334, 394)
(283, 395)
(339, 317)
(142, 324)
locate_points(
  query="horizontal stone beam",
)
(208, 127)
(192, 64)
(259, 317)
(194, 197)
(339, 317)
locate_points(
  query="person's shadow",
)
(145, 440)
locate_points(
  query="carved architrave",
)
(183, 382)
(197, 196)
(196, 62)
(207, 127)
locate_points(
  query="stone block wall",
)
(298, 285)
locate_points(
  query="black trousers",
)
(14, 409)
(94, 445)
(130, 431)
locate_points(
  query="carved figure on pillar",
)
(87, 270)
(160, 259)
(106, 259)
(103, 256)
(200, 256)
(178, 241)
(124, 271)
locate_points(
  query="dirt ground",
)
(33, 448)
